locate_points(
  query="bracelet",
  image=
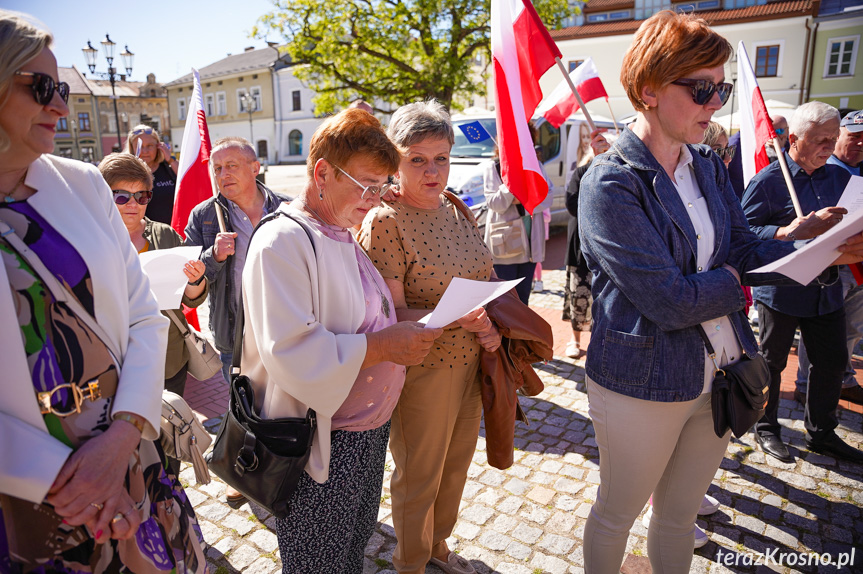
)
(790, 235)
(133, 419)
(198, 282)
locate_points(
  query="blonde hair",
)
(667, 47)
(20, 42)
(712, 134)
(583, 156)
(117, 167)
(132, 139)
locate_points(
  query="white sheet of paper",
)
(164, 267)
(463, 296)
(852, 197)
(807, 263)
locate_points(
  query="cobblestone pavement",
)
(529, 519)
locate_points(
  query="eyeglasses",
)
(139, 131)
(43, 87)
(779, 131)
(726, 153)
(368, 190)
(703, 90)
(122, 197)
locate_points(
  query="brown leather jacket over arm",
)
(526, 339)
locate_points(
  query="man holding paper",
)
(816, 308)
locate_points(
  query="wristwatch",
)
(790, 235)
(196, 283)
(133, 419)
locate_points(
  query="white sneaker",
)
(709, 505)
(700, 536)
(537, 286)
(572, 351)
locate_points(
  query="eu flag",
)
(474, 132)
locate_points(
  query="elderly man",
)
(244, 202)
(816, 308)
(848, 154)
(735, 168)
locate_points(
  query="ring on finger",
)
(97, 505)
(118, 517)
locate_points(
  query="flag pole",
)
(780, 154)
(219, 214)
(613, 119)
(587, 117)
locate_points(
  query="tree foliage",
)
(390, 52)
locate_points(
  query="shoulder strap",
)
(58, 291)
(460, 205)
(240, 317)
(173, 315)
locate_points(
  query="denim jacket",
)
(649, 299)
(202, 228)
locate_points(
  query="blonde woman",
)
(157, 155)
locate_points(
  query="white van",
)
(465, 178)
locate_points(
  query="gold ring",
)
(118, 517)
(97, 505)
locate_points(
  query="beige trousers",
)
(668, 449)
(433, 438)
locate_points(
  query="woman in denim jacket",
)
(667, 244)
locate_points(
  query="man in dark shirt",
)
(735, 168)
(816, 308)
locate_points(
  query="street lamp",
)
(128, 57)
(75, 135)
(250, 104)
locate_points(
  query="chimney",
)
(249, 49)
(272, 44)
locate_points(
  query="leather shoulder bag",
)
(261, 458)
(204, 361)
(739, 393)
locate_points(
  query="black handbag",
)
(740, 392)
(262, 458)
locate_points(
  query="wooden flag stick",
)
(780, 153)
(587, 117)
(616, 129)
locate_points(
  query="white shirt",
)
(719, 330)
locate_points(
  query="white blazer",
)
(76, 201)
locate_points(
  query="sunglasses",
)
(368, 190)
(703, 90)
(43, 87)
(122, 197)
(139, 131)
(779, 131)
(726, 153)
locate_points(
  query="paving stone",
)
(214, 512)
(478, 514)
(265, 540)
(467, 530)
(494, 540)
(556, 544)
(518, 550)
(239, 523)
(526, 534)
(243, 556)
(263, 565)
(517, 486)
(541, 495)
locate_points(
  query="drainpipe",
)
(806, 75)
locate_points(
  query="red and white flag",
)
(561, 103)
(756, 127)
(522, 50)
(193, 177)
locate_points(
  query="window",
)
(548, 139)
(730, 4)
(256, 93)
(240, 103)
(84, 121)
(262, 149)
(209, 105)
(573, 64)
(647, 8)
(221, 104)
(65, 152)
(62, 126)
(296, 97)
(766, 61)
(841, 56)
(295, 143)
(181, 108)
(625, 14)
(593, 18)
(88, 153)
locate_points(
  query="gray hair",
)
(415, 122)
(20, 42)
(810, 115)
(239, 143)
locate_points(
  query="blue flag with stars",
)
(474, 132)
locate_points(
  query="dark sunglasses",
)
(726, 153)
(139, 131)
(703, 90)
(779, 131)
(43, 87)
(122, 197)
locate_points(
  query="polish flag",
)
(522, 51)
(756, 127)
(193, 177)
(561, 103)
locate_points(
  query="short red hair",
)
(666, 47)
(352, 132)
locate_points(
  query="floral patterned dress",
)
(61, 348)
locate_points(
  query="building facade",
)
(78, 135)
(837, 71)
(137, 103)
(295, 119)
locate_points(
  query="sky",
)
(168, 38)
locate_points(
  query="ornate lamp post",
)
(251, 106)
(108, 46)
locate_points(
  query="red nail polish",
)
(64, 521)
(99, 535)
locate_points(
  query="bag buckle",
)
(45, 398)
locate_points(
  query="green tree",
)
(390, 51)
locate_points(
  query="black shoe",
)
(800, 397)
(834, 446)
(853, 394)
(773, 445)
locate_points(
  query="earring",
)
(321, 192)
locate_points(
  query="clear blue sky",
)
(168, 38)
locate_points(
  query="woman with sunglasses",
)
(321, 332)
(131, 182)
(82, 483)
(716, 137)
(146, 143)
(667, 243)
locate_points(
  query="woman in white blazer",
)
(77, 319)
(321, 332)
